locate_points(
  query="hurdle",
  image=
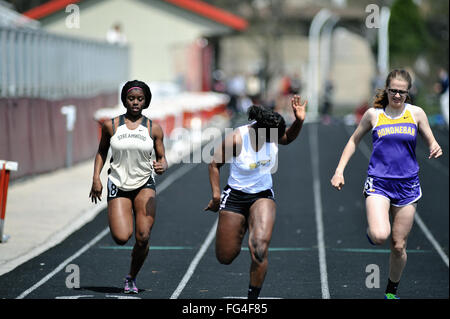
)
(6, 168)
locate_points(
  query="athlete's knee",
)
(379, 237)
(142, 238)
(398, 247)
(121, 239)
(258, 249)
(226, 258)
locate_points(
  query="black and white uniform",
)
(250, 175)
(131, 163)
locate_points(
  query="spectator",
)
(115, 35)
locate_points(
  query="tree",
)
(408, 37)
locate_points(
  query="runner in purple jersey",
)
(392, 185)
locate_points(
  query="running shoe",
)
(130, 286)
(390, 296)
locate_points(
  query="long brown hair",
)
(380, 100)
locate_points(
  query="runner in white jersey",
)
(131, 186)
(248, 201)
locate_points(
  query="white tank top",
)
(131, 164)
(251, 172)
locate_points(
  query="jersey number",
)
(112, 189)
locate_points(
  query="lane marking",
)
(190, 248)
(151, 247)
(232, 297)
(195, 261)
(430, 237)
(314, 151)
(174, 176)
(363, 147)
(286, 248)
(64, 264)
(376, 251)
(56, 238)
(75, 297)
(178, 173)
(276, 249)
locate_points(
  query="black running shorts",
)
(240, 202)
(115, 192)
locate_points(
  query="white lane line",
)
(174, 176)
(237, 297)
(57, 238)
(166, 183)
(64, 264)
(430, 237)
(195, 261)
(314, 151)
(363, 147)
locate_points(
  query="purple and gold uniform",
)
(393, 168)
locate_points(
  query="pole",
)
(3, 177)
(313, 67)
(325, 49)
(70, 111)
(6, 167)
(383, 41)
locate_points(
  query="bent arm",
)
(160, 165)
(427, 134)
(102, 152)
(227, 149)
(291, 133)
(100, 158)
(299, 110)
(214, 179)
(223, 153)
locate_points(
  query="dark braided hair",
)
(139, 84)
(266, 118)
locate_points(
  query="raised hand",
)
(299, 107)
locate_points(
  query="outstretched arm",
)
(337, 181)
(299, 109)
(224, 152)
(100, 158)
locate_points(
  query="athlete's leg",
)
(120, 218)
(144, 210)
(260, 224)
(231, 230)
(377, 210)
(402, 222)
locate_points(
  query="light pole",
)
(325, 49)
(70, 111)
(313, 66)
(383, 41)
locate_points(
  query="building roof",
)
(11, 18)
(195, 6)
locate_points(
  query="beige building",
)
(165, 37)
(168, 42)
